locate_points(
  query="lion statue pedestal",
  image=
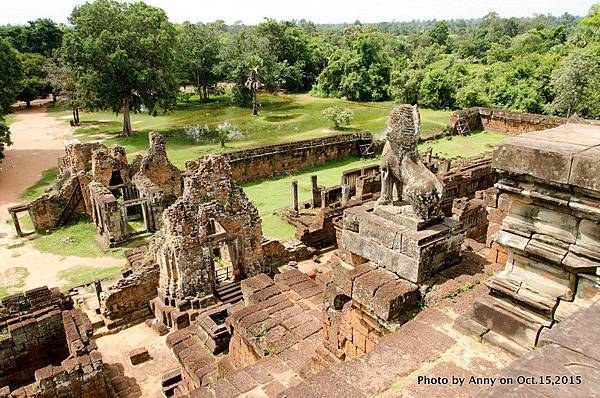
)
(405, 231)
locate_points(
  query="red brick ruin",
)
(418, 268)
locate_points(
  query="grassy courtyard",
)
(272, 194)
(283, 118)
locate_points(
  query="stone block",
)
(540, 158)
(139, 355)
(516, 324)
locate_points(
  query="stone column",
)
(295, 195)
(428, 154)
(98, 288)
(345, 194)
(315, 191)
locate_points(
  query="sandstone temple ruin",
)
(408, 272)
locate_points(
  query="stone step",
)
(228, 287)
(230, 293)
(505, 317)
(513, 289)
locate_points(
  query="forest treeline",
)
(130, 57)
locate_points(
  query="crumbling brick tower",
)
(212, 221)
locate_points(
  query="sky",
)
(319, 11)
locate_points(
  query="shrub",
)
(339, 116)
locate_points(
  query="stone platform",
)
(409, 253)
(550, 232)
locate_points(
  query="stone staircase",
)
(229, 293)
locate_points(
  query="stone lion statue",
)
(404, 177)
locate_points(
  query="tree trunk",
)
(254, 104)
(77, 114)
(222, 142)
(126, 118)
(74, 117)
(54, 97)
(28, 104)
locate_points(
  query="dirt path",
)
(38, 142)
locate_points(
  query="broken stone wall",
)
(258, 163)
(473, 215)
(107, 214)
(81, 375)
(46, 349)
(278, 253)
(350, 332)
(508, 121)
(157, 180)
(126, 302)
(30, 344)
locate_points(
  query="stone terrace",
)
(428, 345)
(273, 343)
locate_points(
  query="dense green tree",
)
(576, 84)
(41, 36)
(10, 76)
(34, 83)
(296, 54)
(360, 71)
(440, 83)
(439, 33)
(124, 57)
(62, 79)
(198, 54)
(243, 52)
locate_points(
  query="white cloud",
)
(320, 11)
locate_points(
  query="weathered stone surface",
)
(548, 155)
(139, 355)
(581, 375)
(516, 324)
(577, 333)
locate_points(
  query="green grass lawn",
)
(10, 118)
(464, 146)
(76, 276)
(36, 190)
(74, 239)
(283, 118)
(275, 193)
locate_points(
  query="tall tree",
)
(439, 33)
(10, 76)
(199, 55)
(124, 57)
(575, 84)
(243, 52)
(34, 83)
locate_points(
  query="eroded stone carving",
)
(405, 179)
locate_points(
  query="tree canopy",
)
(124, 57)
(10, 76)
